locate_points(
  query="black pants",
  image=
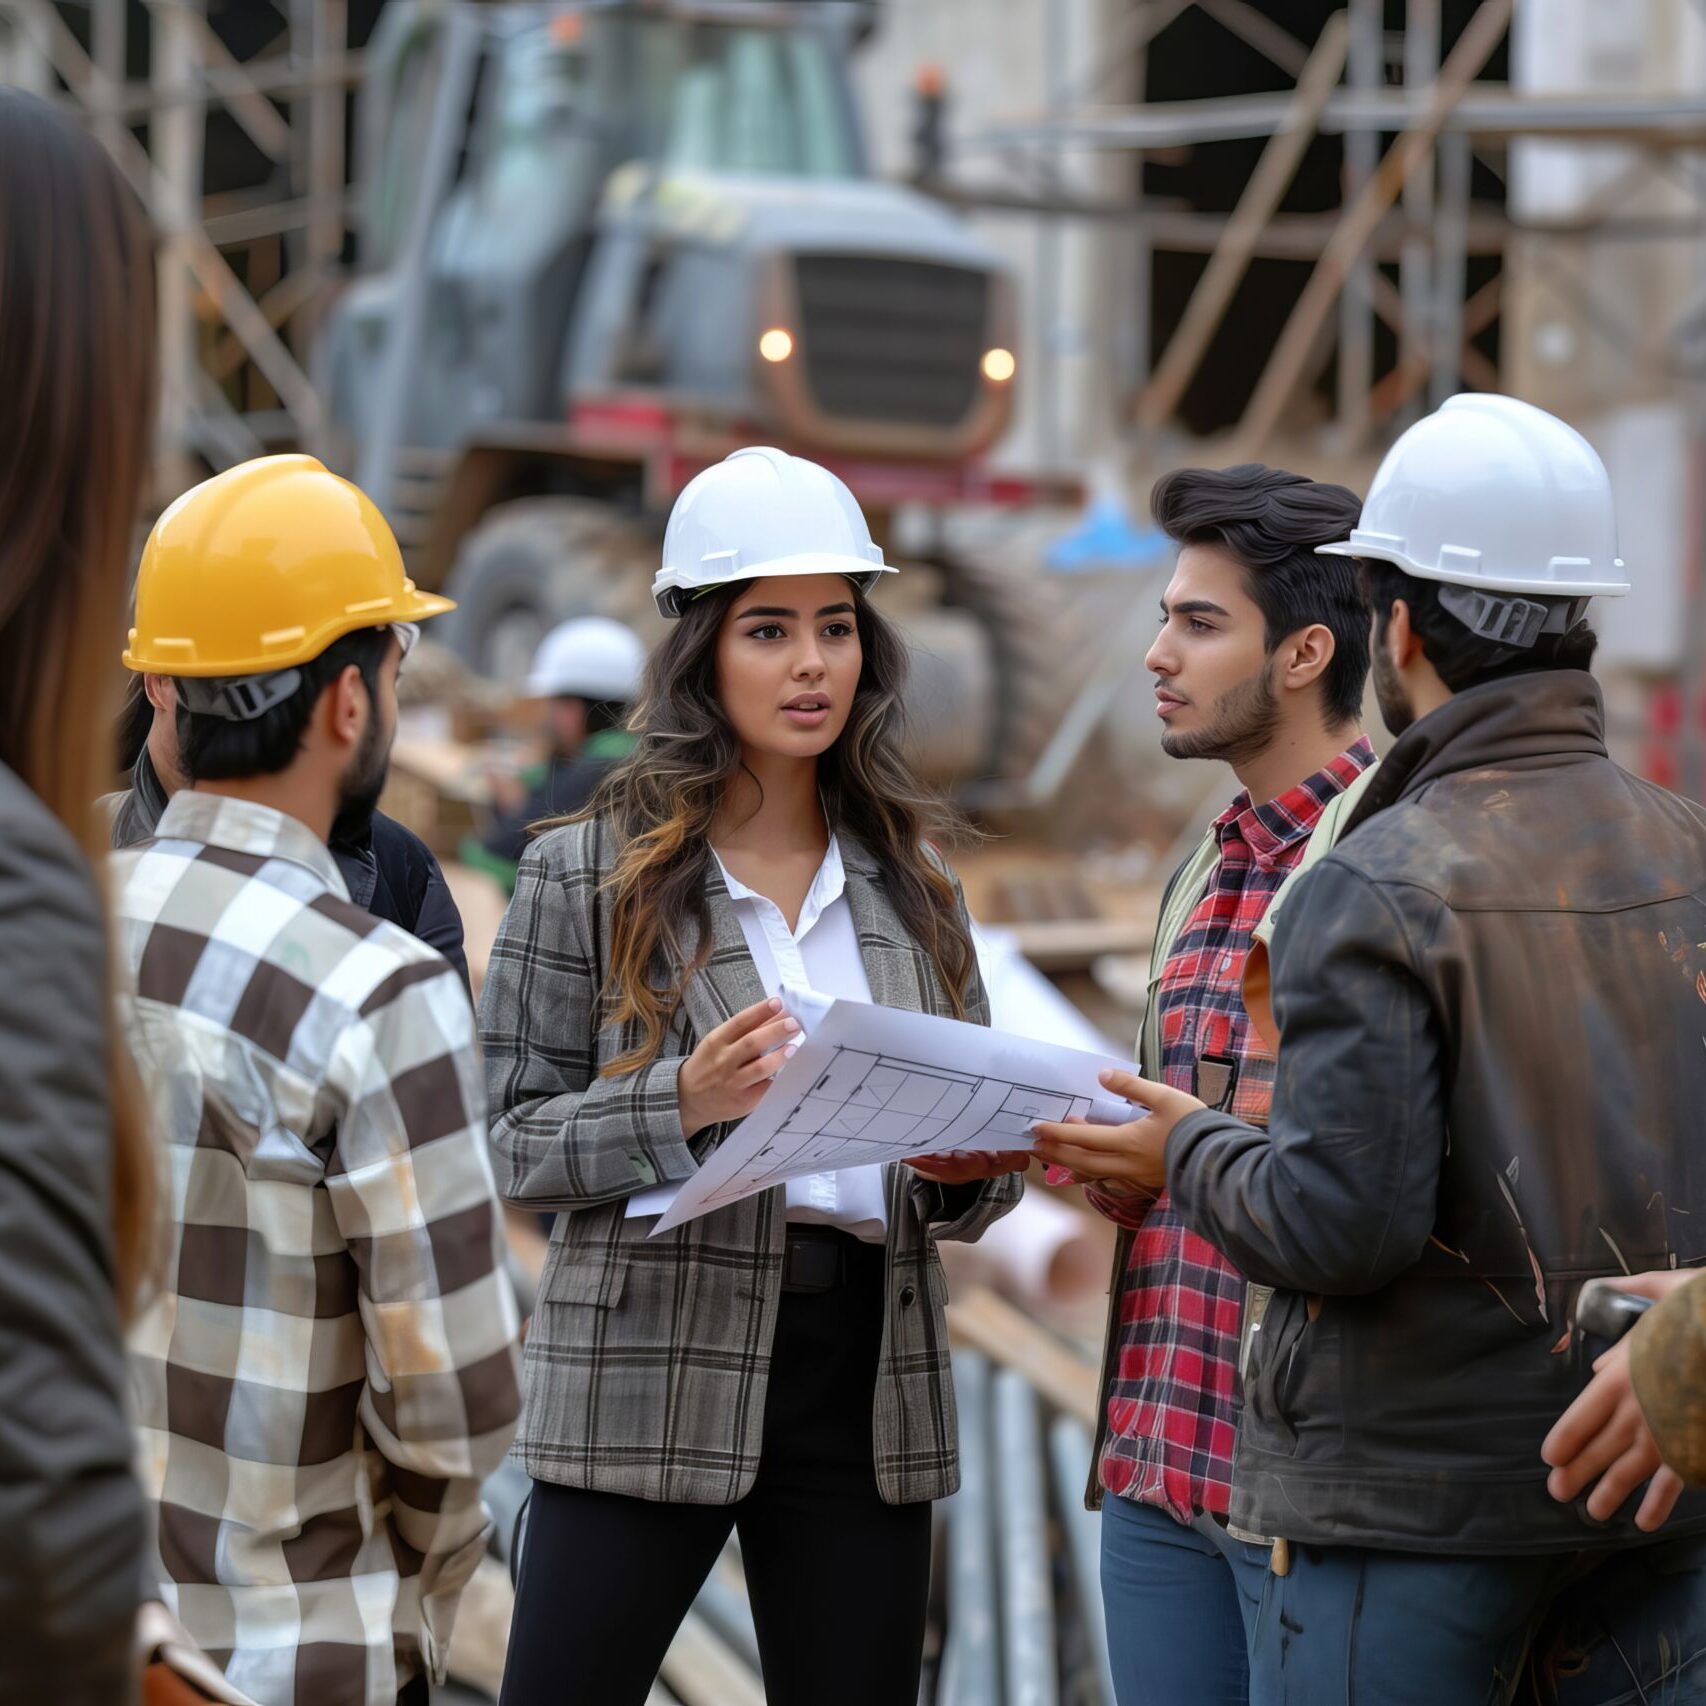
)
(838, 1579)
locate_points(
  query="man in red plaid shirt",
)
(1261, 662)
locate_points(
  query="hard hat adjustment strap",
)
(238, 699)
(1509, 620)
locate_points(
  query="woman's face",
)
(788, 661)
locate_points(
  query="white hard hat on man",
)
(590, 657)
(1506, 507)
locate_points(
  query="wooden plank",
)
(456, 771)
(1259, 202)
(1007, 1336)
(1072, 944)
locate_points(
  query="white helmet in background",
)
(589, 658)
(761, 512)
(1505, 506)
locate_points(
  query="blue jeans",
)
(1402, 1629)
(1181, 1604)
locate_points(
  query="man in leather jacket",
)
(1490, 1082)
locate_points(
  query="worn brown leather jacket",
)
(1491, 999)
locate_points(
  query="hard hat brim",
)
(1448, 577)
(673, 591)
(412, 606)
(580, 687)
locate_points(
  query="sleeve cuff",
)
(657, 1109)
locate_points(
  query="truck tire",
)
(535, 562)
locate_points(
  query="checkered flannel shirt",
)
(1172, 1409)
(330, 1369)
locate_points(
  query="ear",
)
(162, 695)
(1305, 655)
(1403, 645)
(346, 707)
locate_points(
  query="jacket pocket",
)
(595, 1280)
(1273, 1370)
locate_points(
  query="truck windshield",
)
(739, 98)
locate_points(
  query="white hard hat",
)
(589, 658)
(761, 512)
(1498, 496)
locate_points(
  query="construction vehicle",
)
(601, 245)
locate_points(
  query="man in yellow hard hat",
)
(387, 868)
(329, 1370)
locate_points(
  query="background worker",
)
(779, 1366)
(388, 870)
(586, 675)
(77, 1193)
(1260, 664)
(1489, 1085)
(330, 1369)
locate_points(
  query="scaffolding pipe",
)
(1424, 336)
(1315, 305)
(971, 1659)
(1069, 1450)
(728, 1613)
(1027, 1597)
(1365, 69)
(1450, 267)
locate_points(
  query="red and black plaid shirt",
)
(1172, 1415)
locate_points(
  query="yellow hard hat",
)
(262, 568)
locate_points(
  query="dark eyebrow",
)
(1193, 607)
(776, 610)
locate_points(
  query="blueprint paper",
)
(875, 1084)
(807, 1009)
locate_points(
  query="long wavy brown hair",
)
(77, 341)
(662, 799)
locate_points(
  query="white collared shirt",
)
(821, 952)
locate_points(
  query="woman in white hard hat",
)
(779, 1366)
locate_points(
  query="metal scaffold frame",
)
(1410, 205)
(243, 275)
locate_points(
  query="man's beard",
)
(1396, 711)
(1241, 725)
(362, 784)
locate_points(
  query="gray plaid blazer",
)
(647, 1359)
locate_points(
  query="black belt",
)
(820, 1258)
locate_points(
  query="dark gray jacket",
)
(388, 870)
(71, 1515)
(1491, 1083)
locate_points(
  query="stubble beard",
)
(1396, 711)
(364, 781)
(1241, 725)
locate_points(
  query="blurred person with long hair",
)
(76, 1175)
(779, 1366)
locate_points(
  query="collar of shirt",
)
(827, 888)
(242, 826)
(1272, 829)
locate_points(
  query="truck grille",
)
(891, 340)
